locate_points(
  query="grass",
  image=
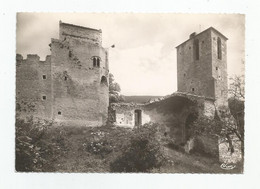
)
(92, 149)
(194, 163)
(76, 153)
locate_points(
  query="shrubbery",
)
(43, 147)
(38, 146)
(28, 149)
(98, 144)
(142, 153)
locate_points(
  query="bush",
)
(98, 144)
(28, 150)
(142, 153)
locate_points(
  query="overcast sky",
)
(144, 58)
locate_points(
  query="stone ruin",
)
(71, 86)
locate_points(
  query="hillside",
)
(140, 99)
(93, 149)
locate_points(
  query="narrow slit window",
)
(94, 62)
(196, 49)
(192, 89)
(219, 50)
(98, 62)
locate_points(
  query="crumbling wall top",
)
(80, 33)
(32, 59)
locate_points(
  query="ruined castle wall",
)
(79, 97)
(125, 117)
(195, 74)
(171, 112)
(33, 86)
(125, 114)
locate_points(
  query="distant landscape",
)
(140, 99)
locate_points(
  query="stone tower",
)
(202, 65)
(79, 76)
(71, 85)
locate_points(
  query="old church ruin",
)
(202, 91)
(71, 85)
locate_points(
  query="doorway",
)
(138, 117)
(187, 128)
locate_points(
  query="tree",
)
(230, 120)
(237, 87)
(114, 91)
(236, 106)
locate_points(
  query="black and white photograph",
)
(130, 93)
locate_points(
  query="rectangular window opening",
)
(43, 97)
(44, 77)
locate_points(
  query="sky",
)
(143, 61)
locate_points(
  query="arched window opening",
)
(94, 62)
(196, 49)
(104, 80)
(219, 49)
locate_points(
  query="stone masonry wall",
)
(172, 112)
(219, 70)
(85, 34)
(79, 97)
(66, 87)
(206, 76)
(33, 82)
(192, 73)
